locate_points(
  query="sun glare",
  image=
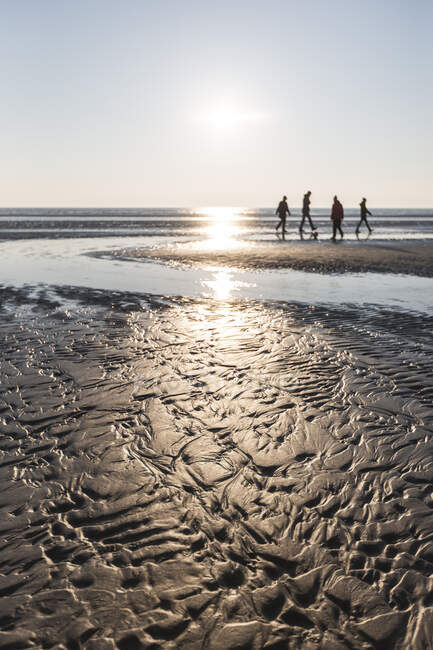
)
(227, 117)
(222, 286)
(220, 229)
(221, 235)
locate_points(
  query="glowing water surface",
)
(71, 262)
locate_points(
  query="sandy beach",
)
(213, 443)
(413, 258)
(179, 473)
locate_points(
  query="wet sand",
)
(412, 258)
(203, 474)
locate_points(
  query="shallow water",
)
(73, 262)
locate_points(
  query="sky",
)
(146, 103)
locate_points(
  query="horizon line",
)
(189, 207)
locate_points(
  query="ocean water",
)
(245, 223)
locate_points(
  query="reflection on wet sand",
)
(208, 474)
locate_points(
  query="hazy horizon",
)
(294, 206)
(197, 104)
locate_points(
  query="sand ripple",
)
(212, 475)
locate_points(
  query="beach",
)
(411, 258)
(215, 468)
(216, 326)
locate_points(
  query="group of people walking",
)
(337, 216)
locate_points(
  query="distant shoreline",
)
(200, 211)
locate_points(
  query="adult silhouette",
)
(306, 213)
(363, 219)
(337, 216)
(282, 211)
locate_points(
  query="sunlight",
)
(228, 116)
(218, 321)
(220, 231)
(225, 117)
(221, 235)
(222, 286)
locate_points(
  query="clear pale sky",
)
(228, 102)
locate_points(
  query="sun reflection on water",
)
(221, 235)
(223, 285)
(219, 229)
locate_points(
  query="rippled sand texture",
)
(206, 475)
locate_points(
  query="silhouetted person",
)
(337, 216)
(282, 211)
(364, 212)
(306, 212)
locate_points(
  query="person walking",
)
(337, 216)
(282, 211)
(363, 219)
(306, 213)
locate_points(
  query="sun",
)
(225, 116)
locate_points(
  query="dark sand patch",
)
(213, 475)
(323, 257)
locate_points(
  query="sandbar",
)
(411, 258)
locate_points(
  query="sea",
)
(245, 223)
